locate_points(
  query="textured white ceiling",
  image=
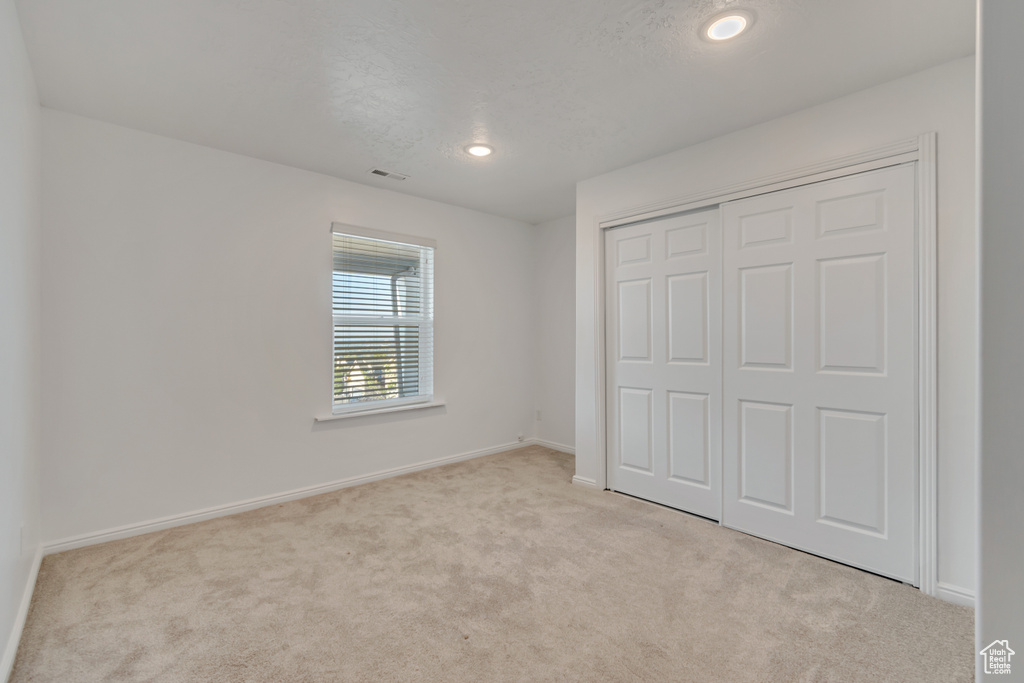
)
(563, 89)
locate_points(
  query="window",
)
(383, 319)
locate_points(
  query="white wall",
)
(187, 331)
(19, 232)
(555, 306)
(940, 99)
(1001, 110)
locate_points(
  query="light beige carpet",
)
(495, 569)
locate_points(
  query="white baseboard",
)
(561, 448)
(140, 528)
(584, 481)
(11, 650)
(954, 594)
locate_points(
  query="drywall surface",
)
(556, 329)
(939, 99)
(187, 329)
(1001, 172)
(19, 310)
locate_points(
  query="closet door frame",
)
(922, 150)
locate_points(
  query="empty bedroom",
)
(614, 340)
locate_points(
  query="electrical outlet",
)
(519, 438)
(538, 415)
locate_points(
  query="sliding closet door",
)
(663, 351)
(819, 378)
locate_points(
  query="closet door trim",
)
(920, 149)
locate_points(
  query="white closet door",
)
(663, 351)
(820, 447)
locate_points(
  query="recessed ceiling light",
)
(726, 26)
(479, 150)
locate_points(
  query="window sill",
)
(379, 411)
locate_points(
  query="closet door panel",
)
(819, 378)
(663, 351)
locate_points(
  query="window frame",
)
(424, 323)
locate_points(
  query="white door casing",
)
(820, 369)
(663, 359)
(920, 151)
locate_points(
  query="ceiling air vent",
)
(388, 174)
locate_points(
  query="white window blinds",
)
(383, 322)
